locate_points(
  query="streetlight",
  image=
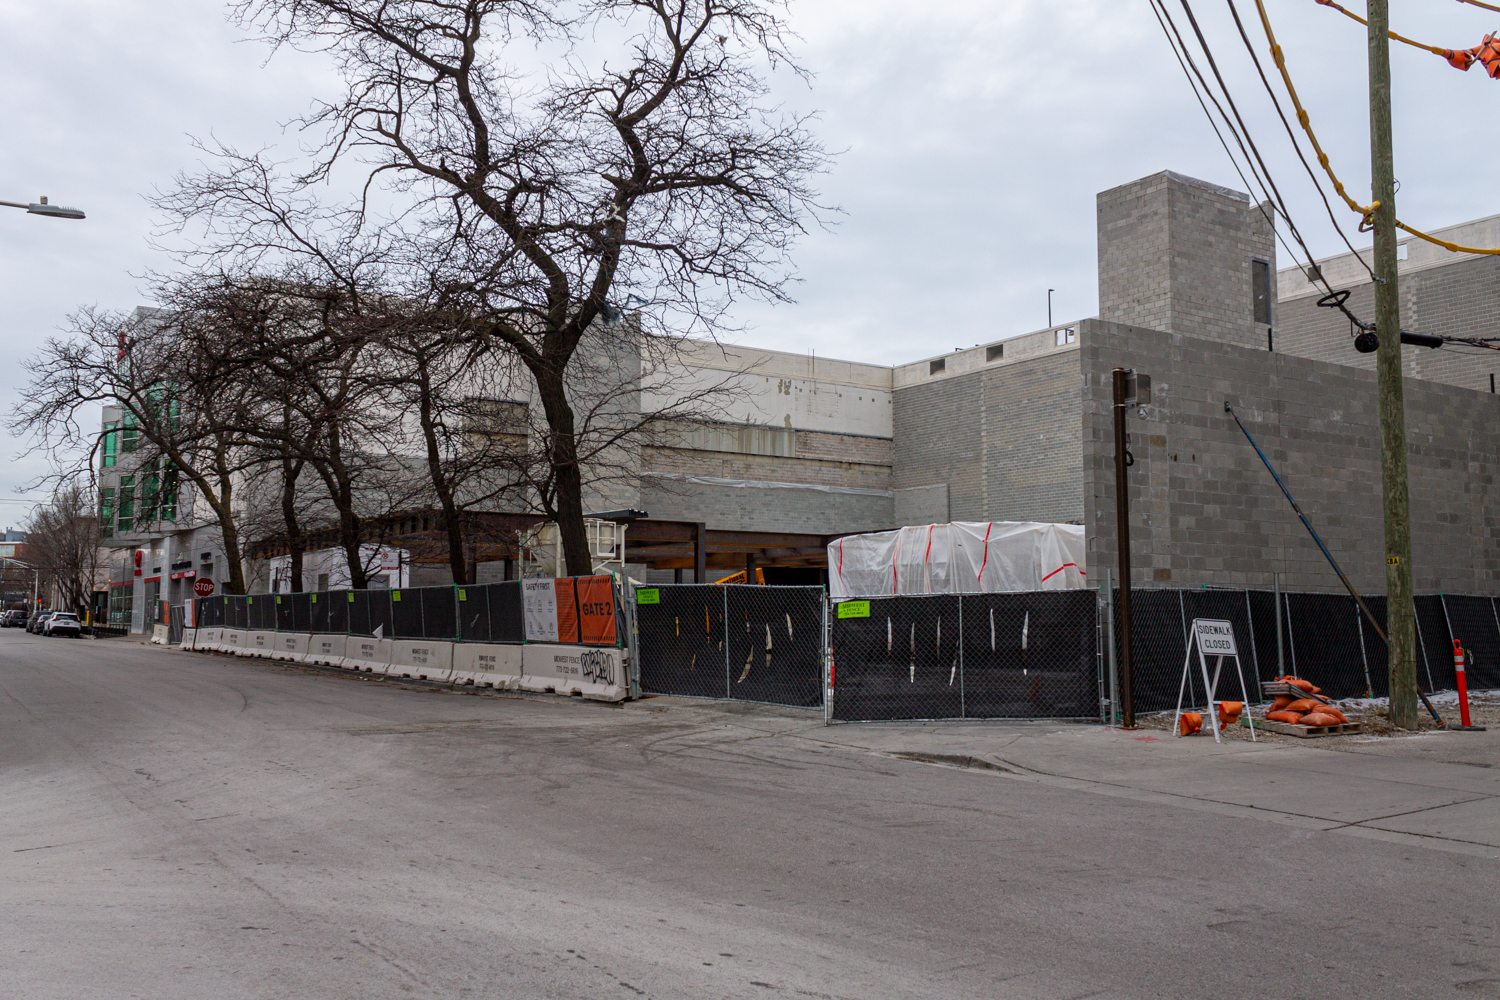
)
(43, 208)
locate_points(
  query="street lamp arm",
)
(43, 208)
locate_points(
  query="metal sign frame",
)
(1212, 637)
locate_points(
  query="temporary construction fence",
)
(966, 656)
(748, 643)
(564, 636)
(1036, 654)
(1322, 637)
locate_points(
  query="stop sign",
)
(203, 587)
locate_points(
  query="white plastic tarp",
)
(962, 557)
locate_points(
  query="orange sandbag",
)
(1229, 713)
(1304, 705)
(1290, 718)
(1300, 683)
(1281, 702)
(1330, 710)
(1320, 719)
(1191, 723)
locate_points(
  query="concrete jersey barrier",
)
(326, 649)
(290, 646)
(596, 672)
(422, 659)
(485, 664)
(366, 654)
(258, 643)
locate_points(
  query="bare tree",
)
(187, 414)
(643, 166)
(63, 544)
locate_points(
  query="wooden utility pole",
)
(1400, 626)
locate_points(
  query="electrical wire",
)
(1478, 3)
(1178, 44)
(1297, 146)
(1366, 211)
(1313, 272)
(1400, 38)
(1185, 60)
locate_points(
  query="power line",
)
(1213, 64)
(1185, 60)
(1292, 135)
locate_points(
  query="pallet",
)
(1305, 732)
(1272, 688)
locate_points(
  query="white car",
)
(63, 623)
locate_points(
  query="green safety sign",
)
(648, 595)
(463, 595)
(854, 609)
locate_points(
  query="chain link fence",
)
(970, 656)
(1324, 638)
(748, 643)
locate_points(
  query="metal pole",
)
(1398, 580)
(1114, 679)
(1359, 623)
(1122, 540)
(1280, 653)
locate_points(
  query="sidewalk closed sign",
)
(1215, 638)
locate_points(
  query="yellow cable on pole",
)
(1486, 6)
(1400, 38)
(1365, 211)
(1302, 117)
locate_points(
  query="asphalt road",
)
(184, 825)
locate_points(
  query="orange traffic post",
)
(1463, 683)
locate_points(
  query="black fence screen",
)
(773, 652)
(1028, 655)
(1323, 637)
(491, 612)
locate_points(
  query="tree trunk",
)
(229, 533)
(341, 491)
(290, 470)
(567, 477)
(452, 519)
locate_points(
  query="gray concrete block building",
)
(1188, 294)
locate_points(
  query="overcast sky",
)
(974, 136)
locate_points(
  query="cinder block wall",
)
(1005, 439)
(755, 508)
(1204, 509)
(1175, 254)
(1461, 299)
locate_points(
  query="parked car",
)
(63, 623)
(37, 621)
(13, 619)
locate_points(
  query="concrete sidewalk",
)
(1439, 790)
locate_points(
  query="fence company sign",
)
(569, 609)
